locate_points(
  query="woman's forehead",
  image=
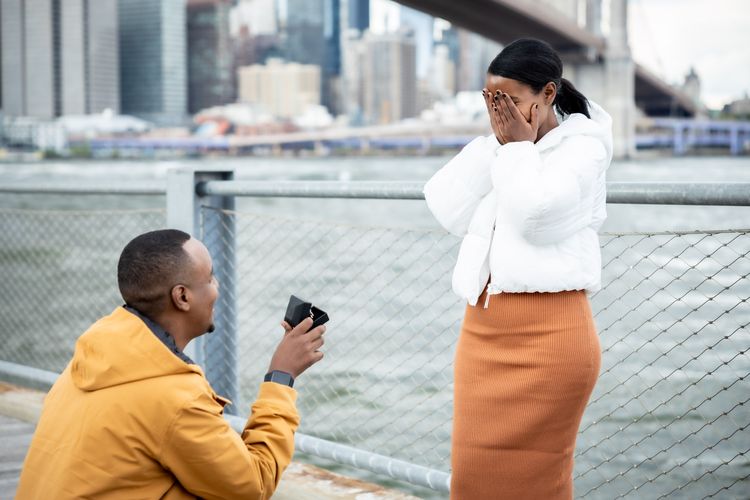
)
(506, 85)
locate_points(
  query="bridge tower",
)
(620, 83)
(610, 79)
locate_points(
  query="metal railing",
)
(670, 411)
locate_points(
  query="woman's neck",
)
(549, 124)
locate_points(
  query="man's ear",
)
(550, 91)
(181, 297)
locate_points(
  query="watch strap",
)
(279, 377)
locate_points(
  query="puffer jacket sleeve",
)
(454, 192)
(550, 204)
(212, 461)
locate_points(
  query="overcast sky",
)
(670, 36)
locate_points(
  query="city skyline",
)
(59, 58)
(178, 57)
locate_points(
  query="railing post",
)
(680, 139)
(215, 352)
(734, 141)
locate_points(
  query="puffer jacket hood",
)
(120, 349)
(599, 127)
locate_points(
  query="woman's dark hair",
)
(536, 63)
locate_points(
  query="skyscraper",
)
(280, 88)
(390, 77)
(359, 15)
(14, 61)
(209, 54)
(442, 73)
(475, 55)
(304, 38)
(312, 36)
(153, 48)
(1, 64)
(59, 57)
(332, 37)
(352, 78)
(89, 56)
(331, 77)
(471, 65)
(422, 27)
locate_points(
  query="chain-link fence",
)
(669, 413)
(58, 274)
(669, 416)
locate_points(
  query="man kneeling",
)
(133, 417)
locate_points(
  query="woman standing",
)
(528, 202)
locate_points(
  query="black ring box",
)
(298, 309)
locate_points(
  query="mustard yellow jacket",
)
(129, 419)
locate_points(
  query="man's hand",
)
(298, 350)
(512, 125)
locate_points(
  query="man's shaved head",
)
(150, 265)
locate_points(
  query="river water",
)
(621, 218)
(669, 406)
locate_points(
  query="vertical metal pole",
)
(203, 218)
(679, 140)
(734, 141)
(221, 346)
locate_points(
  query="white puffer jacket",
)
(528, 213)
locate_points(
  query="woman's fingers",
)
(502, 112)
(498, 117)
(503, 106)
(488, 102)
(497, 124)
(535, 117)
(512, 109)
(496, 106)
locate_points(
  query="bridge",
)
(506, 20)
(681, 135)
(600, 66)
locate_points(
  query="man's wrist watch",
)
(279, 377)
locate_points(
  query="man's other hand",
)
(299, 349)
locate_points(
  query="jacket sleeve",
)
(212, 461)
(454, 192)
(550, 204)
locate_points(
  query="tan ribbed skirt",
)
(525, 368)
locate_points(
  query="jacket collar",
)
(161, 334)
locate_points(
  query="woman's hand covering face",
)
(508, 123)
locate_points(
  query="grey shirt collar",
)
(162, 335)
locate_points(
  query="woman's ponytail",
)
(569, 100)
